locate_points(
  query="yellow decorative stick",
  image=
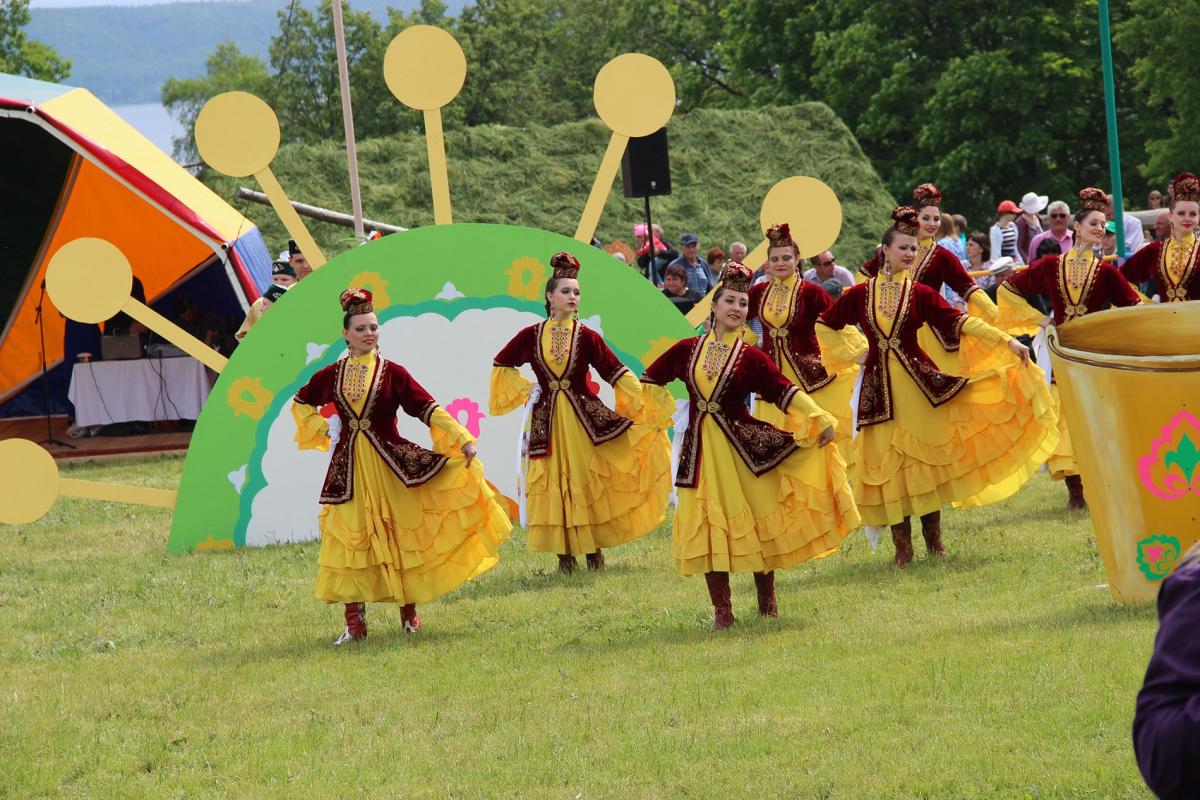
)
(31, 485)
(425, 69)
(634, 96)
(238, 134)
(809, 207)
(89, 280)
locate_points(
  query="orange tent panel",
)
(96, 206)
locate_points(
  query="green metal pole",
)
(1110, 118)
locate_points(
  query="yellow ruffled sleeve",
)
(840, 349)
(808, 419)
(312, 431)
(978, 329)
(658, 408)
(629, 396)
(1014, 313)
(447, 435)
(981, 306)
(510, 390)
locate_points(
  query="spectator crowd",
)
(1021, 233)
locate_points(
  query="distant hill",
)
(722, 164)
(124, 53)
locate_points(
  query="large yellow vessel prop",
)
(1130, 385)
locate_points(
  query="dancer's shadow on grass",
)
(531, 577)
(1085, 614)
(863, 568)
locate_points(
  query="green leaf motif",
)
(1185, 456)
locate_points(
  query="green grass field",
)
(1003, 670)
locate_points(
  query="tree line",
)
(988, 98)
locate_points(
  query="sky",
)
(79, 3)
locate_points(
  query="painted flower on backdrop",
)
(376, 285)
(526, 278)
(466, 412)
(248, 397)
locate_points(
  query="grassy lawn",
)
(1003, 670)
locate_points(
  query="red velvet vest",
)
(796, 341)
(761, 446)
(389, 389)
(587, 349)
(919, 305)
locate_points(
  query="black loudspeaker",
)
(646, 166)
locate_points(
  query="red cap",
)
(1008, 207)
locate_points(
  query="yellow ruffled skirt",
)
(583, 497)
(978, 448)
(736, 522)
(834, 398)
(1062, 461)
(390, 543)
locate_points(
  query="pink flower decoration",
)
(471, 423)
(1170, 470)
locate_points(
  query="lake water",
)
(153, 122)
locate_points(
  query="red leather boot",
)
(356, 624)
(931, 529)
(718, 592)
(1075, 498)
(566, 564)
(408, 613)
(595, 561)
(764, 582)
(902, 538)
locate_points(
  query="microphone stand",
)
(49, 440)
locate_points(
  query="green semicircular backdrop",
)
(448, 298)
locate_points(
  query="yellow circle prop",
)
(30, 480)
(634, 94)
(237, 134)
(89, 280)
(424, 67)
(810, 207)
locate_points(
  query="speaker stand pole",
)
(49, 440)
(650, 252)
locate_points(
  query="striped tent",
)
(73, 168)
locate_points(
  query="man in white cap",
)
(1029, 224)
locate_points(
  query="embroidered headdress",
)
(906, 219)
(735, 276)
(1186, 186)
(781, 236)
(1093, 199)
(356, 301)
(927, 195)
(565, 265)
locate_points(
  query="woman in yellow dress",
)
(935, 266)
(752, 497)
(1078, 283)
(399, 523)
(595, 479)
(818, 360)
(925, 437)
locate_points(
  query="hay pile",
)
(722, 164)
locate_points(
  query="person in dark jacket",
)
(1166, 724)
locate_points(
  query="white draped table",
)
(145, 389)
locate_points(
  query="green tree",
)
(227, 69)
(21, 56)
(987, 98)
(1164, 36)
